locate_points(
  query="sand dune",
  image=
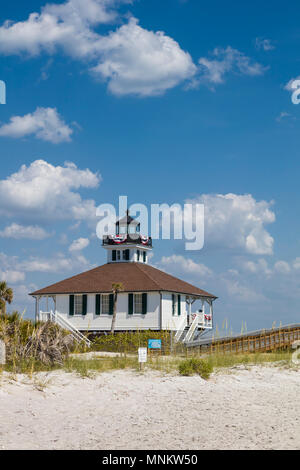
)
(238, 409)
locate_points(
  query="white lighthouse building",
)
(150, 300)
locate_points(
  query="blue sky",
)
(197, 112)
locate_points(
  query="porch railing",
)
(55, 317)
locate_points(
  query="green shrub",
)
(129, 342)
(195, 366)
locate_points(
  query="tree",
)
(116, 288)
(6, 295)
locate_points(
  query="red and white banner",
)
(144, 240)
(119, 238)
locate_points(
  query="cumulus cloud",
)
(44, 123)
(131, 58)
(261, 266)
(137, 61)
(237, 222)
(223, 61)
(46, 193)
(178, 263)
(67, 26)
(18, 232)
(79, 244)
(12, 276)
(56, 263)
(282, 267)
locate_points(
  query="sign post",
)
(142, 353)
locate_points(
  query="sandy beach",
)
(241, 408)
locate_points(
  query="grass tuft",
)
(194, 366)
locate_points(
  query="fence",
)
(257, 341)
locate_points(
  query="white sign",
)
(142, 354)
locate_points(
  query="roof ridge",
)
(148, 275)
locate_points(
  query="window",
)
(78, 305)
(138, 303)
(124, 255)
(174, 304)
(105, 304)
(118, 255)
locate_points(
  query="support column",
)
(37, 312)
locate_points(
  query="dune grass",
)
(88, 367)
(37, 347)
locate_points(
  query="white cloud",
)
(67, 25)
(243, 292)
(55, 263)
(20, 231)
(237, 222)
(224, 61)
(12, 276)
(79, 244)
(178, 263)
(296, 263)
(132, 59)
(137, 61)
(261, 266)
(44, 123)
(282, 267)
(264, 44)
(45, 192)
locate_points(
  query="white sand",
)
(243, 409)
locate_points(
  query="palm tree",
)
(116, 288)
(6, 295)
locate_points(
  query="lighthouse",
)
(128, 244)
(150, 299)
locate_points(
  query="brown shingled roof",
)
(135, 277)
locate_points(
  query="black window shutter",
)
(130, 304)
(71, 305)
(144, 304)
(127, 255)
(173, 304)
(98, 304)
(84, 304)
(179, 305)
(144, 256)
(114, 255)
(111, 304)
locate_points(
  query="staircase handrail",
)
(180, 330)
(64, 323)
(192, 329)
